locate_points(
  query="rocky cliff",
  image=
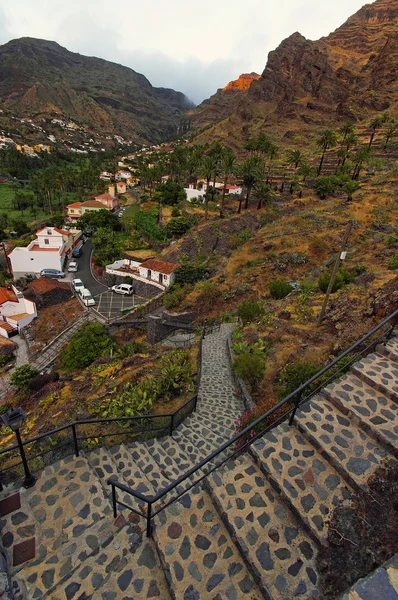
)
(349, 74)
(41, 78)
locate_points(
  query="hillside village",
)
(198, 331)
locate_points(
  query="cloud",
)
(193, 51)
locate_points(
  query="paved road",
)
(84, 272)
(108, 303)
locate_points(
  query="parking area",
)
(110, 305)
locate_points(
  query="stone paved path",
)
(250, 530)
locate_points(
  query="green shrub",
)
(86, 345)
(393, 264)
(343, 277)
(130, 349)
(209, 293)
(128, 280)
(178, 226)
(295, 375)
(392, 240)
(188, 273)
(21, 376)
(250, 311)
(238, 239)
(5, 359)
(250, 367)
(279, 289)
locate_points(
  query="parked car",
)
(77, 252)
(52, 273)
(87, 298)
(73, 266)
(123, 288)
(78, 285)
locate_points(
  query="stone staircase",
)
(250, 530)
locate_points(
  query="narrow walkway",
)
(251, 530)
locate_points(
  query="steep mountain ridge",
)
(348, 74)
(41, 78)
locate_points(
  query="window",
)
(46, 241)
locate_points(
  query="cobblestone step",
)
(207, 408)
(148, 466)
(104, 466)
(307, 482)
(215, 425)
(55, 568)
(128, 568)
(349, 449)
(193, 442)
(131, 475)
(380, 373)
(175, 452)
(198, 555)
(66, 500)
(267, 535)
(375, 413)
(389, 350)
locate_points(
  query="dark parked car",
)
(77, 252)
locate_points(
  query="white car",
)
(123, 288)
(78, 285)
(87, 298)
(73, 266)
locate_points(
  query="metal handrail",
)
(150, 500)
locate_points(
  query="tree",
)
(294, 158)
(263, 192)
(96, 219)
(207, 169)
(376, 123)
(391, 132)
(305, 170)
(248, 171)
(327, 139)
(347, 128)
(324, 186)
(227, 168)
(106, 246)
(170, 193)
(23, 375)
(361, 156)
(350, 187)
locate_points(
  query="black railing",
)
(251, 433)
(70, 438)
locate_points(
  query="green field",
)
(6, 206)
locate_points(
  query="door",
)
(160, 277)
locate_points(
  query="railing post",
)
(114, 501)
(172, 424)
(76, 443)
(148, 520)
(195, 403)
(296, 405)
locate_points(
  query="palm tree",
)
(327, 139)
(263, 192)
(362, 155)
(294, 158)
(305, 170)
(347, 128)
(248, 171)
(227, 167)
(350, 187)
(390, 133)
(350, 140)
(207, 170)
(194, 159)
(375, 124)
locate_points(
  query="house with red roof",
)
(157, 273)
(15, 311)
(108, 201)
(49, 250)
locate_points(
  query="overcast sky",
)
(193, 47)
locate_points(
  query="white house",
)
(158, 271)
(48, 251)
(192, 193)
(15, 311)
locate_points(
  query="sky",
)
(194, 48)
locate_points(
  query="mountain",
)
(41, 78)
(349, 74)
